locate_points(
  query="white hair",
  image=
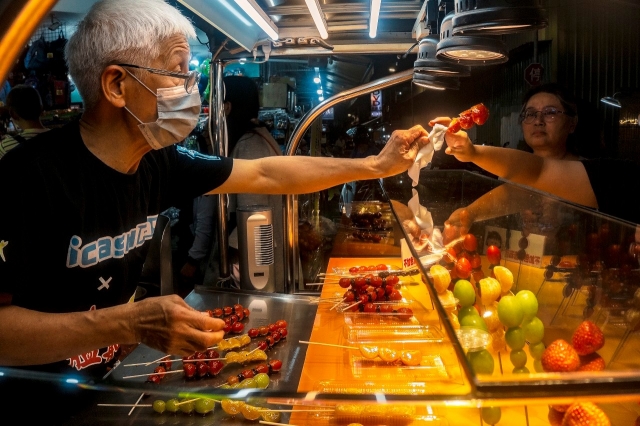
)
(120, 31)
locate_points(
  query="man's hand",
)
(169, 325)
(401, 150)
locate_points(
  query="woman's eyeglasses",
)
(549, 114)
(190, 80)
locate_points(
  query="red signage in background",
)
(533, 74)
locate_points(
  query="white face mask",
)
(177, 115)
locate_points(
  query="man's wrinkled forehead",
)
(175, 50)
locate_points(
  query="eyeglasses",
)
(549, 115)
(191, 79)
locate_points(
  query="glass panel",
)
(531, 271)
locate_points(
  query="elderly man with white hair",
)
(84, 199)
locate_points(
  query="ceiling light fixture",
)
(319, 91)
(258, 15)
(427, 63)
(612, 101)
(436, 83)
(321, 98)
(316, 80)
(469, 50)
(318, 17)
(494, 17)
(373, 18)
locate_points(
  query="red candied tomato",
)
(246, 312)
(493, 255)
(283, 332)
(228, 310)
(404, 313)
(212, 353)
(189, 370)
(218, 312)
(395, 295)
(281, 323)
(344, 282)
(386, 309)
(470, 243)
(392, 280)
(349, 296)
(466, 121)
(237, 327)
(275, 365)
(382, 267)
(480, 114)
(253, 332)
(262, 368)
(353, 270)
(463, 268)
(476, 261)
(454, 126)
(369, 307)
(215, 367)
(375, 281)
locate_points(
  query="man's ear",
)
(112, 85)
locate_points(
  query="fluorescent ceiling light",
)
(373, 21)
(237, 14)
(316, 80)
(258, 15)
(321, 98)
(318, 17)
(319, 91)
(610, 100)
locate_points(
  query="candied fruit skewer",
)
(409, 357)
(477, 114)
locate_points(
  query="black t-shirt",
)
(613, 182)
(74, 232)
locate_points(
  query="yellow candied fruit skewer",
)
(230, 406)
(270, 416)
(369, 352)
(258, 355)
(250, 412)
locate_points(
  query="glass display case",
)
(469, 329)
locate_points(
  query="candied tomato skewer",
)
(477, 114)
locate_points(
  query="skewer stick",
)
(328, 344)
(151, 374)
(125, 405)
(337, 304)
(298, 411)
(176, 360)
(351, 306)
(314, 283)
(264, 422)
(136, 404)
(188, 401)
(153, 362)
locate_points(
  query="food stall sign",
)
(533, 74)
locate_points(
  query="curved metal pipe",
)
(292, 265)
(220, 146)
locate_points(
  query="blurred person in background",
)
(24, 106)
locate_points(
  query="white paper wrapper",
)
(430, 238)
(425, 155)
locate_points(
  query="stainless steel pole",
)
(220, 149)
(292, 265)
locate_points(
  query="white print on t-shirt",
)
(105, 284)
(109, 247)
